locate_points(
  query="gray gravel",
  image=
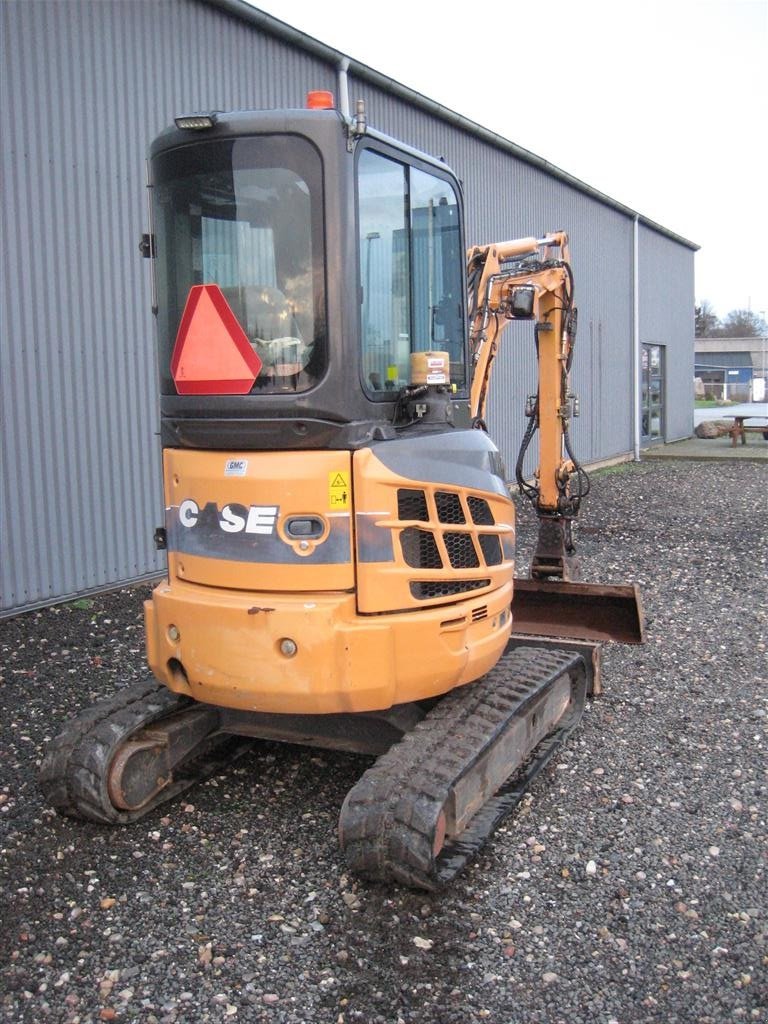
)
(630, 887)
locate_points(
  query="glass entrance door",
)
(652, 407)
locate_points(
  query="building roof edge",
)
(280, 29)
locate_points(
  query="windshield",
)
(246, 215)
(411, 271)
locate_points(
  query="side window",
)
(438, 312)
(385, 271)
(410, 271)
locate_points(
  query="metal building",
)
(85, 85)
(732, 369)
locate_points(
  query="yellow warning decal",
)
(338, 490)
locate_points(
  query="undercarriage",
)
(449, 771)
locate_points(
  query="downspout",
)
(343, 82)
(636, 384)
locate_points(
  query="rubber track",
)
(73, 774)
(389, 819)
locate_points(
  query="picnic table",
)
(740, 427)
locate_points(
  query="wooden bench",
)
(740, 429)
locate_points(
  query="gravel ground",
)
(629, 887)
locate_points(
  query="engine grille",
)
(426, 548)
(423, 590)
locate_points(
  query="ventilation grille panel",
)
(491, 548)
(466, 549)
(412, 504)
(419, 549)
(449, 510)
(423, 591)
(480, 511)
(461, 550)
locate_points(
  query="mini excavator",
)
(339, 531)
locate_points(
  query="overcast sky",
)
(661, 105)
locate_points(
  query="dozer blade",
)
(582, 611)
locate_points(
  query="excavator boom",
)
(531, 279)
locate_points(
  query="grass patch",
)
(709, 403)
(620, 467)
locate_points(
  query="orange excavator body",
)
(339, 528)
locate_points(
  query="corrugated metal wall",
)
(667, 301)
(85, 85)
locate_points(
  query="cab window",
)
(411, 262)
(246, 215)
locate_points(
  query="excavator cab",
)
(335, 266)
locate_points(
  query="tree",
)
(706, 320)
(740, 323)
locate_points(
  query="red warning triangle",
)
(212, 354)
